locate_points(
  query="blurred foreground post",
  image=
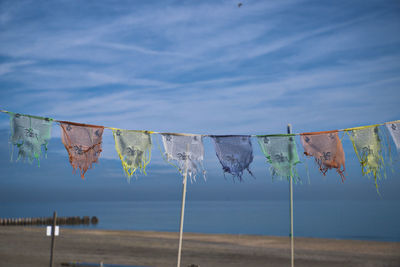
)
(183, 207)
(289, 131)
(53, 231)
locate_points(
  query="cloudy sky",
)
(207, 67)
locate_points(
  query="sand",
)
(28, 246)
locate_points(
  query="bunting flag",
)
(235, 153)
(367, 145)
(281, 153)
(83, 143)
(187, 151)
(133, 148)
(327, 150)
(394, 130)
(29, 134)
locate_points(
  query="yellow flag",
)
(368, 147)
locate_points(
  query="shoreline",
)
(29, 246)
(97, 228)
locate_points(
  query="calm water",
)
(329, 219)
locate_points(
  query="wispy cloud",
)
(202, 67)
(12, 66)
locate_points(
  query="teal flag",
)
(281, 152)
(29, 134)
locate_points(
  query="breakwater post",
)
(53, 230)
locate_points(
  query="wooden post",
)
(53, 241)
(289, 131)
(183, 208)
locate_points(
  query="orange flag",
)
(327, 150)
(83, 143)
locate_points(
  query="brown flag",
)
(327, 150)
(83, 143)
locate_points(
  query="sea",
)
(362, 220)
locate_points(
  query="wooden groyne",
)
(85, 220)
(77, 264)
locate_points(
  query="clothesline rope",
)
(210, 135)
(235, 152)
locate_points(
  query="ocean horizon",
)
(361, 220)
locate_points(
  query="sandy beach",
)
(29, 246)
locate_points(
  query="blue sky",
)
(206, 67)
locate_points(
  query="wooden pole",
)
(183, 208)
(289, 131)
(53, 241)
